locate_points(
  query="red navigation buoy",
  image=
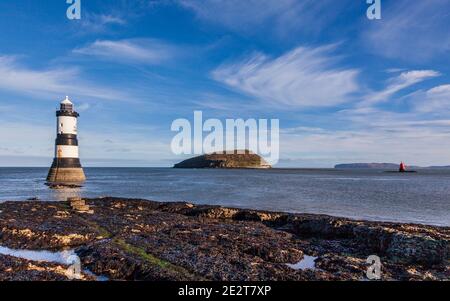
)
(402, 167)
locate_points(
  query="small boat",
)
(402, 168)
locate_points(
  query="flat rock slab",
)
(129, 239)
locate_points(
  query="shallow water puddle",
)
(65, 257)
(307, 263)
(62, 257)
(99, 278)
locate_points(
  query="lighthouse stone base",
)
(66, 175)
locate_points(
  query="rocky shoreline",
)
(130, 239)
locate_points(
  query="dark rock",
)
(17, 269)
(134, 239)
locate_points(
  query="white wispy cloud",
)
(18, 78)
(370, 136)
(233, 12)
(398, 83)
(148, 51)
(34, 142)
(303, 77)
(83, 107)
(424, 145)
(281, 17)
(394, 70)
(116, 145)
(435, 100)
(99, 23)
(111, 19)
(410, 30)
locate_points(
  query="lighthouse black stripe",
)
(62, 140)
(67, 113)
(66, 163)
(67, 136)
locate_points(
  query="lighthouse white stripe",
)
(66, 151)
(66, 125)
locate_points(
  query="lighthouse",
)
(66, 167)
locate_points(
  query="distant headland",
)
(386, 166)
(236, 159)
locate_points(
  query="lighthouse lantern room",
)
(66, 167)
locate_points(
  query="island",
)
(236, 159)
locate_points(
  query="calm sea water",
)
(364, 194)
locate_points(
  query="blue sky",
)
(345, 89)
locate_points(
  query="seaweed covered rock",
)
(136, 239)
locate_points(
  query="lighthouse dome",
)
(66, 101)
(66, 104)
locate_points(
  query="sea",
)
(369, 194)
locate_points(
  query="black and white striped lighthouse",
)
(66, 167)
